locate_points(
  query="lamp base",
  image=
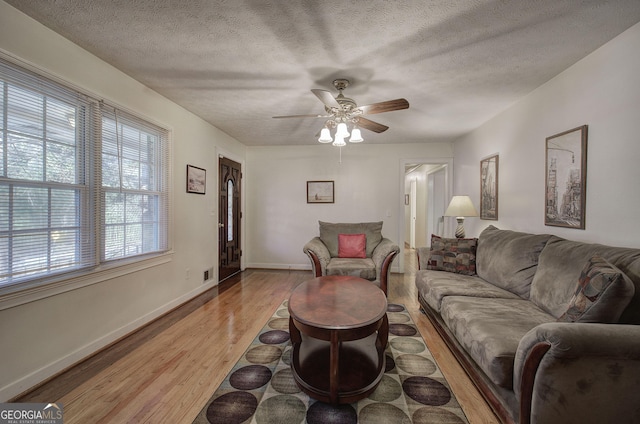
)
(460, 228)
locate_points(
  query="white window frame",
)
(30, 289)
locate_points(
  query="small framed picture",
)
(489, 188)
(566, 179)
(196, 179)
(320, 192)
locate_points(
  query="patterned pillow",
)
(352, 245)
(453, 255)
(602, 294)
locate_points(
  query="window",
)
(81, 183)
(133, 158)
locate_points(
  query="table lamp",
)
(460, 207)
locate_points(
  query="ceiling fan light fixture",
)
(339, 141)
(356, 136)
(342, 131)
(343, 111)
(325, 136)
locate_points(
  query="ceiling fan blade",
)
(326, 97)
(371, 126)
(388, 106)
(303, 116)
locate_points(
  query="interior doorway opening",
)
(426, 186)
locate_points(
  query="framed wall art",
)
(566, 178)
(320, 192)
(196, 179)
(489, 188)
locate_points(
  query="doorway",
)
(425, 187)
(229, 216)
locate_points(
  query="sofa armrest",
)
(423, 257)
(578, 372)
(382, 257)
(318, 255)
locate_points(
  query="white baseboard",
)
(21, 385)
(294, 267)
(297, 267)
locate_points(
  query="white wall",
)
(42, 337)
(368, 187)
(601, 91)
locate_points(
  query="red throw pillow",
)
(352, 246)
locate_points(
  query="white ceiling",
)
(236, 63)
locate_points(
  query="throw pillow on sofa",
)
(352, 246)
(453, 255)
(602, 294)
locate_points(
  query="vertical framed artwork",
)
(489, 188)
(566, 178)
(320, 192)
(196, 179)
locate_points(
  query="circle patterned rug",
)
(260, 389)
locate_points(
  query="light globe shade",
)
(325, 136)
(339, 141)
(341, 130)
(461, 206)
(356, 136)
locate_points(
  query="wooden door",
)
(229, 216)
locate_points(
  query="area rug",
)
(260, 388)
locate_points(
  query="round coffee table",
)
(339, 331)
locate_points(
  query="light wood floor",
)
(166, 372)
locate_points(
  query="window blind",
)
(81, 183)
(133, 190)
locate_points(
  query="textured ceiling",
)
(236, 63)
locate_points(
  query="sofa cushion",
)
(329, 234)
(363, 268)
(352, 246)
(602, 293)
(509, 259)
(453, 255)
(434, 286)
(490, 330)
(559, 268)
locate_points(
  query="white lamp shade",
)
(325, 136)
(356, 136)
(461, 206)
(339, 141)
(342, 130)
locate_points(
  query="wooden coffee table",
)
(339, 330)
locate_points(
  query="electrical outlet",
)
(187, 273)
(206, 275)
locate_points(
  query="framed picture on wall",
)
(320, 192)
(489, 188)
(196, 179)
(566, 178)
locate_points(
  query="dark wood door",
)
(229, 216)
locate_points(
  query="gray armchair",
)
(323, 252)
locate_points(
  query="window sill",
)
(22, 295)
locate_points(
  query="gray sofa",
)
(540, 347)
(378, 252)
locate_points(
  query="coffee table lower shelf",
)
(360, 367)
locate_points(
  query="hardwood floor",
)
(166, 372)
